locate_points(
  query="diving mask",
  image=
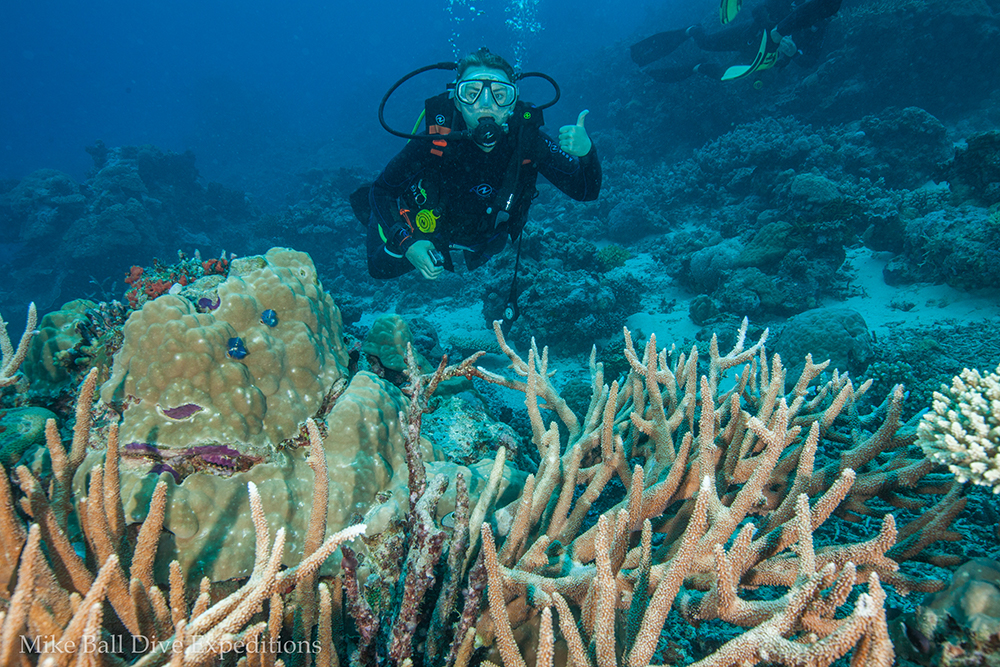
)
(468, 91)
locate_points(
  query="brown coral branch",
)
(113, 509)
(476, 583)
(14, 539)
(498, 606)
(178, 602)
(327, 655)
(96, 527)
(16, 618)
(546, 641)
(149, 535)
(13, 358)
(567, 623)
(365, 621)
(486, 500)
(68, 566)
(305, 590)
(81, 429)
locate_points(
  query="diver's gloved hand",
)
(786, 46)
(573, 138)
(421, 256)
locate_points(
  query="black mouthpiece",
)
(487, 132)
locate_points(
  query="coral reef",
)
(977, 164)
(706, 485)
(138, 201)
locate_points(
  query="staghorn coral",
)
(962, 430)
(11, 358)
(699, 459)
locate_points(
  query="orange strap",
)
(403, 213)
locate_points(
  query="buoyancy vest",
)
(517, 189)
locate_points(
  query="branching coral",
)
(700, 456)
(723, 495)
(9, 357)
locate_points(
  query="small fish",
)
(269, 317)
(236, 348)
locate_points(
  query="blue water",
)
(244, 82)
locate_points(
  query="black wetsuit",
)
(455, 196)
(804, 21)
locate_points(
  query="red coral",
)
(215, 266)
(149, 285)
(155, 288)
(134, 274)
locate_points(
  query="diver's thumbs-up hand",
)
(573, 138)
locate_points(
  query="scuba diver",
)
(467, 182)
(780, 31)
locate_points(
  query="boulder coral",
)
(178, 386)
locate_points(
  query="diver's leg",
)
(657, 46)
(733, 38)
